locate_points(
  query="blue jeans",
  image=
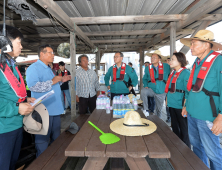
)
(43, 141)
(10, 146)
(67, 94)
(205, 143)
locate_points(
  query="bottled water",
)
(107, 109)
(210, 125)
(135, 105)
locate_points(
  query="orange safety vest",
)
(201, 77)
(173, 83)
(151, 71)
(122, 72)
(18, 87)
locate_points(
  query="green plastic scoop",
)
(106, 138)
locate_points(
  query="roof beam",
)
(113, 19)
(55, 10)
(197, 14)
(108, 33)
(202, 26)
(121, 40)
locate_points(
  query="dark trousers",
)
(10, 146)
(43, 141)
(84, 103)
(151, 104)
(133, 92)
(118, 94)
(179, 125)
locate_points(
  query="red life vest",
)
(65, 73)
(201, 77)
(173, 83)
(151, 71)
(122, 72)
(18, 88)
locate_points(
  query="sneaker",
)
(64, 112)
(168, 120)
(146, 113)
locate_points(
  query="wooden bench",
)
(182, 158)
(53, 157)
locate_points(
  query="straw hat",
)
(133, 125)
(155, 52)
(203, 35)
(37, 122)
(131, 98)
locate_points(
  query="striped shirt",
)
(87, 83)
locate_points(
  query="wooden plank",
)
(136, 147)
(177, 159)
(190, 156)
(121, 40)
(45, 157)
(95, 147)
(55, 10)
(78, 145)
(118, 149)
(73, 73)
(94, 163)
(155, 145)
(137, 163)
(133, 32)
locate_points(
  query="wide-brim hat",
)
(131, 98)
(37, 122)
(203, 35)
(155, 52)
(133, 125)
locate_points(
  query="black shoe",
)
(168, 120)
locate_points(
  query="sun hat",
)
(203, 35)
(37, 122)
(155, 52)
(133, 125)
(73, 128)
(131, 98)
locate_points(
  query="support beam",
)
(141, 68)
(202, 26)
(113, 19)
(195, 15)
(97, 61)
(136, 32)
(73, 73)
(172, 38)
(55, 10)
(121, 40)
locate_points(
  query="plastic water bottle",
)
(97, 103)
(135, 105)
(107, 109)
(210, 125)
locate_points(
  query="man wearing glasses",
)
(120, 73)
(40, 80)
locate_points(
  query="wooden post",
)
(172, 38)
(97, 61)
(141, 68)
(73, 74)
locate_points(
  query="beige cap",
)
(133, 125)
(37, 122)
(155, 52)
(203, 35)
